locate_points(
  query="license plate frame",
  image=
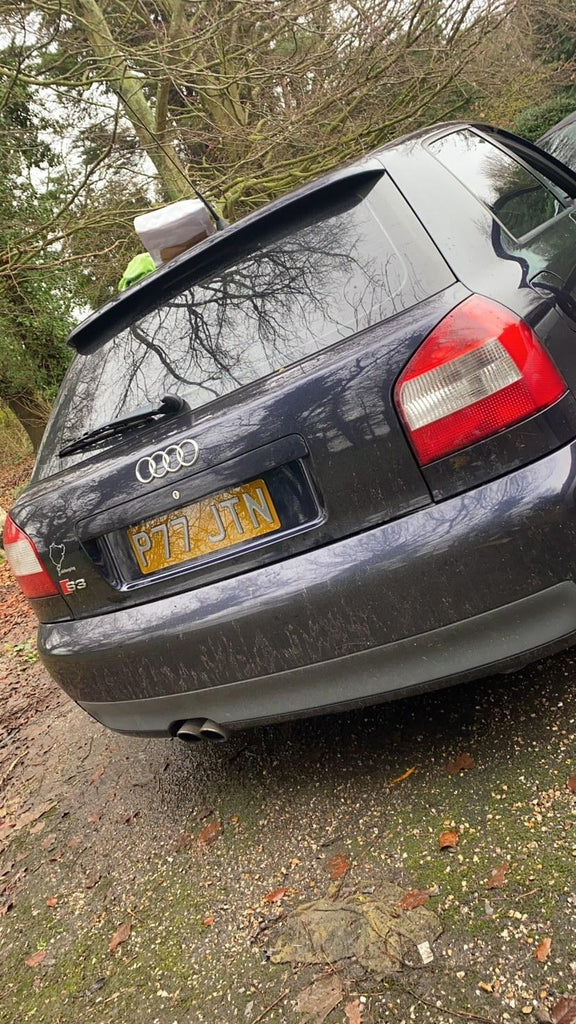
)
(217, 523)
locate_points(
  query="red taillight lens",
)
(481, 370)
(25, 563)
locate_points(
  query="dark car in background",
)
(560, 141)
(325, 458)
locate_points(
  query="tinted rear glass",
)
(348, 265)
(519, 199)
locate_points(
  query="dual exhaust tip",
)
(196, 729)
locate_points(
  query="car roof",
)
(552, 132)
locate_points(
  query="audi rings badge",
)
(169, 460)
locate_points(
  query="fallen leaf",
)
(94, 817)
(209, 920)
(52, 902)
(6, 829)
(95, 987)
(130, 817)
(120, 935)
(565, 1011)
(276, 896)
(449, 840)
(571, 783)
(12, 883)
(320, 998)
(36, 958)
(97, 775)
(92, 880)
(543, 950)
(354, 1012)
(462, 763)
(6, 907)
(32, 816)
(405, 775)
(183, 842)
(204, 812)
(414, 898)
(209, 834)
(337, 866)
(38, 827)
(498, 876)
(48, 842)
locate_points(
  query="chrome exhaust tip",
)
(190, 731)
(213, 731)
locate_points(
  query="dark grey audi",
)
(326, 457)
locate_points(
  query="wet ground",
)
(105, 840)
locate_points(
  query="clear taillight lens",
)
(23, 559)
(482, 369)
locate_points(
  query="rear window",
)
(520, 200)
(352, 262)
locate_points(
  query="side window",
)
(526, 207)
(520, 200)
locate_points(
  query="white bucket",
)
(172, 229)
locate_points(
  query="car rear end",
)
(368, 487)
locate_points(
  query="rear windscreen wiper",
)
(170, 405)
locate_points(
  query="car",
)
(325, 458)
(560, 141)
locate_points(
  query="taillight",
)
(481, 370)
(25, 563)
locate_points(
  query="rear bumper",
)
(449, 654)
(456, 589)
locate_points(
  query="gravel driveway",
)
(191, 861)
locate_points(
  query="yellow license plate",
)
(221, 521)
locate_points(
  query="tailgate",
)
(273, 462)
